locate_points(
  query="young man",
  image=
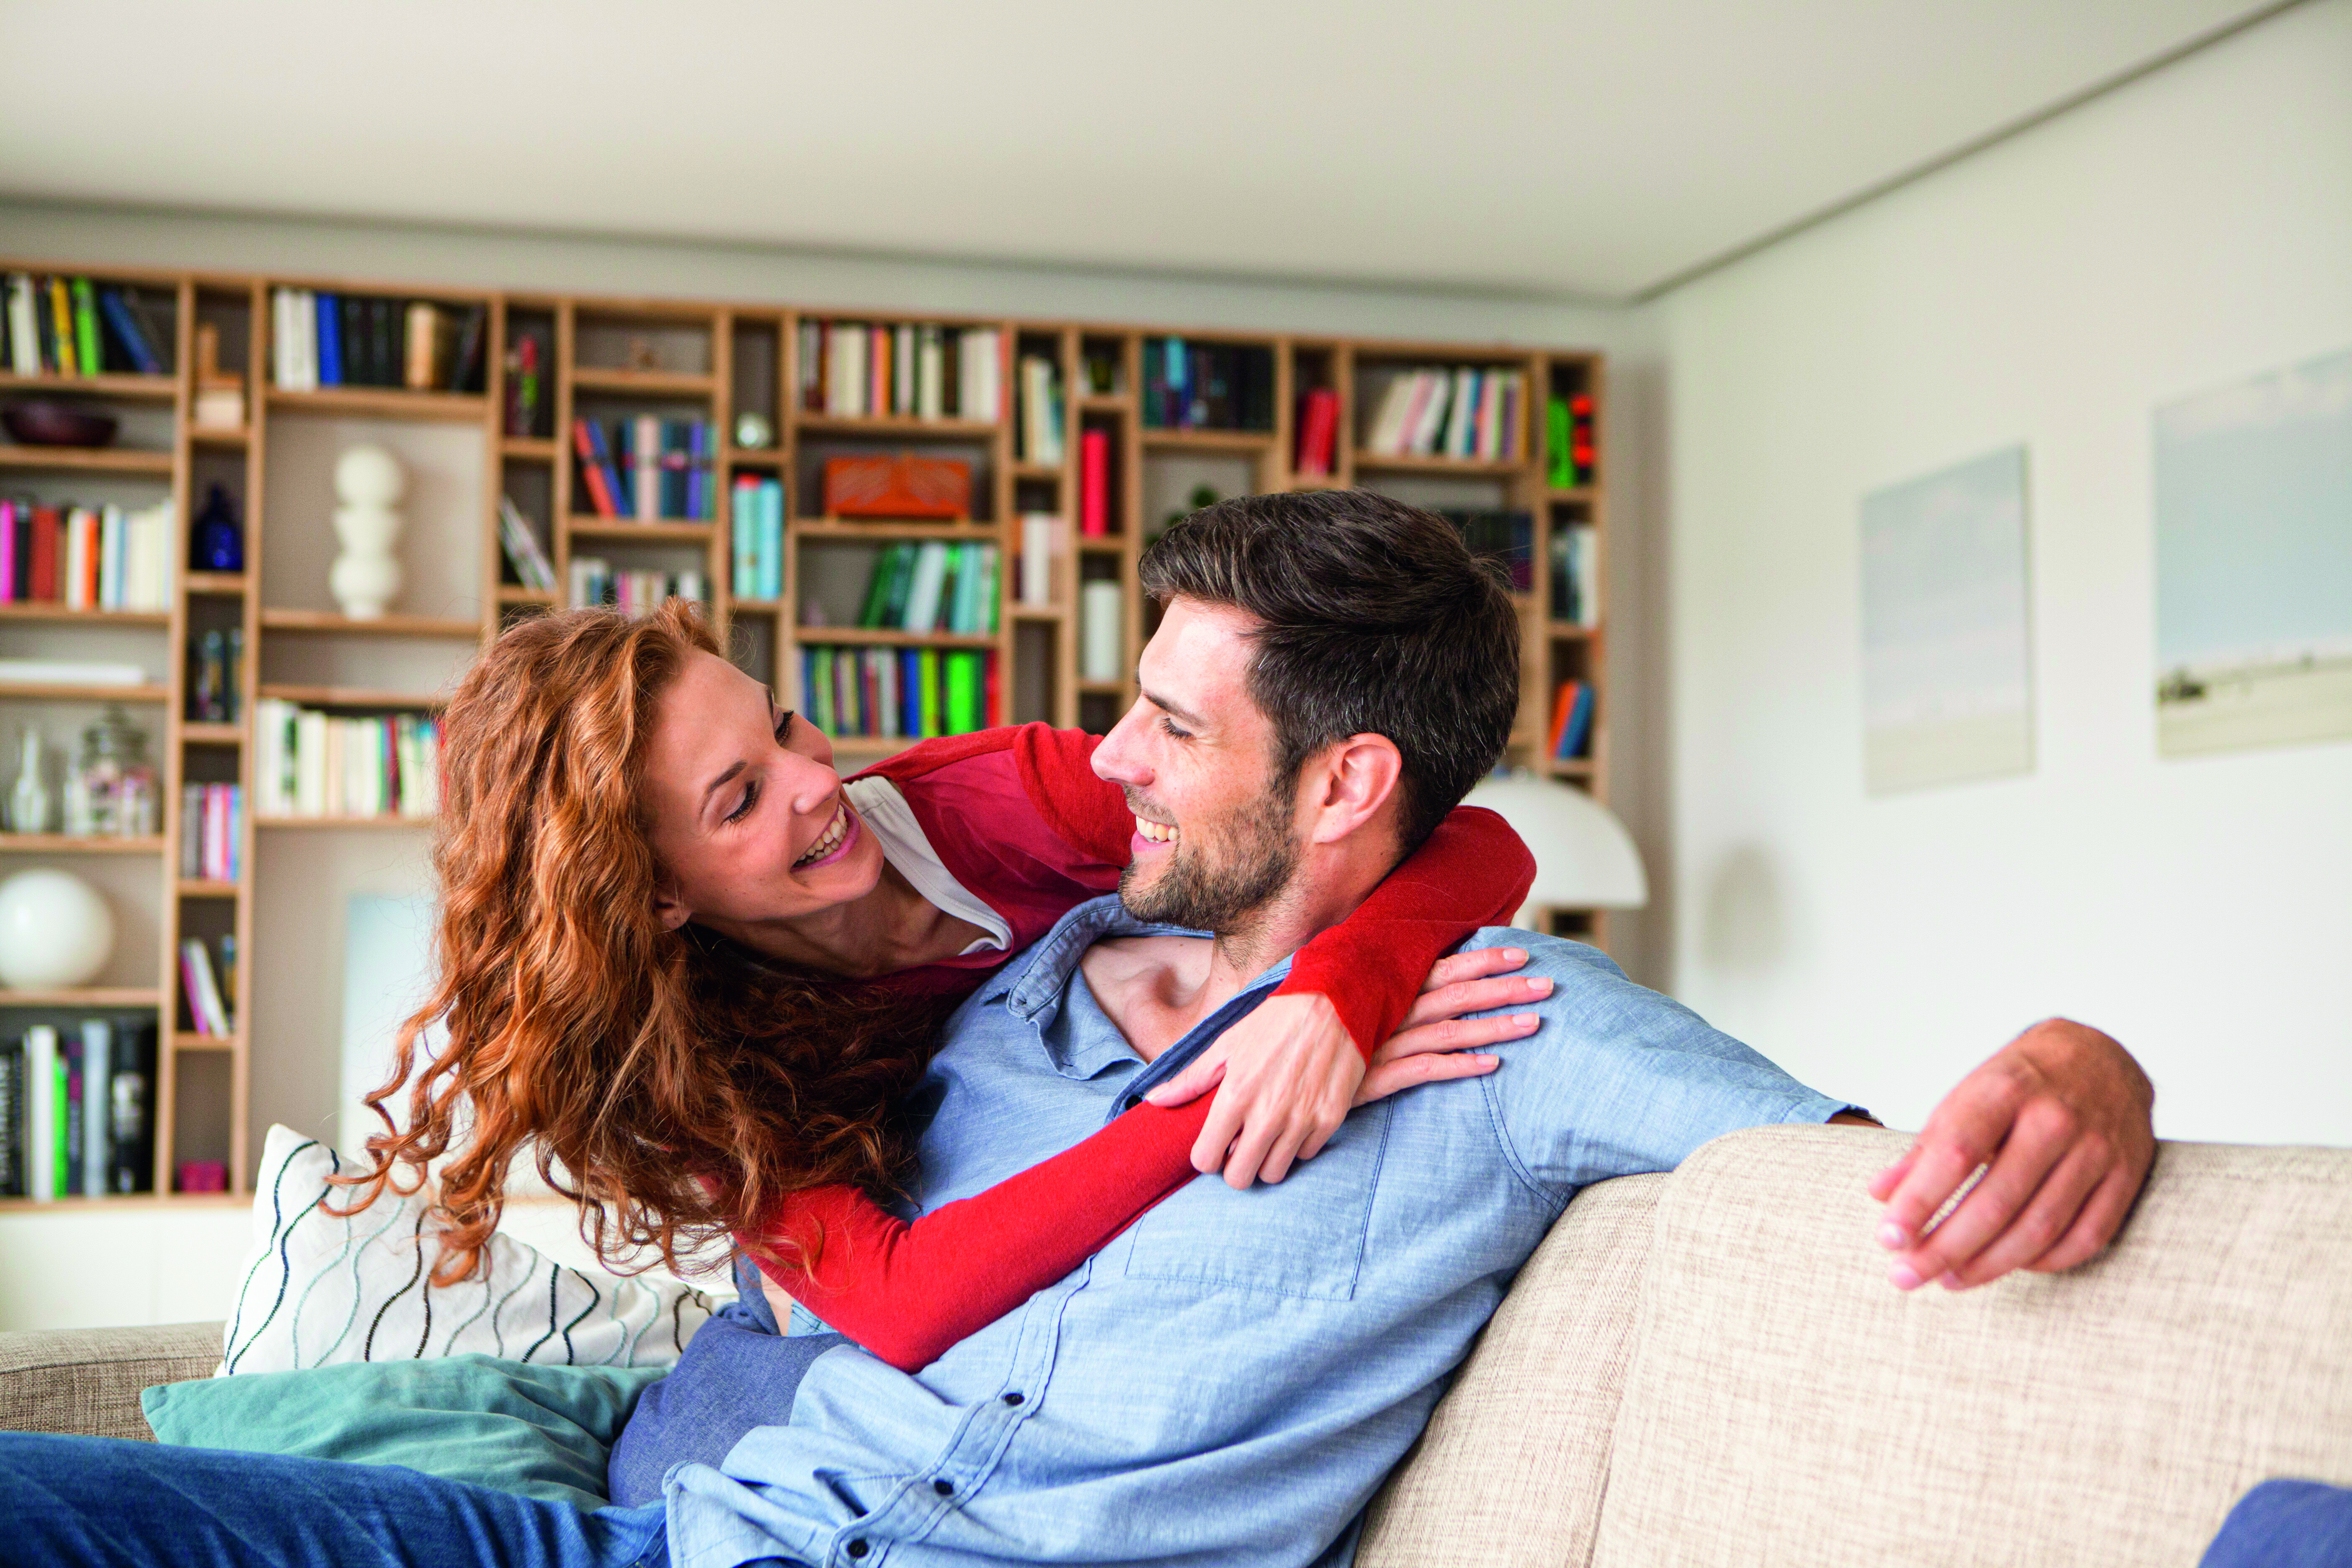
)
(1229, 1380)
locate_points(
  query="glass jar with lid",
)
(111, 793)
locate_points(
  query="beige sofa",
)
(1708, 1367)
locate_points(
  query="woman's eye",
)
(750, 793)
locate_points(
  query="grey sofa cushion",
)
(88, 1380)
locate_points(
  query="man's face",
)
(1214, 838)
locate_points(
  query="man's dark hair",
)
(1376, 620)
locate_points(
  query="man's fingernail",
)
(1893, 1236)
(1904, 1277)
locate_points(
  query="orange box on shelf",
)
(902, 486)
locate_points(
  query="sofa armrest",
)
(87, 1381)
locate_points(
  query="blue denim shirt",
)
(1229, 1381)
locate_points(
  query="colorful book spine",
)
(1093, 483)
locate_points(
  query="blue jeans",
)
(2286, 1524)
(740, 1370)
(69, 1501)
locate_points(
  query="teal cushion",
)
(539, 1431)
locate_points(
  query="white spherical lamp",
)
(56, 931)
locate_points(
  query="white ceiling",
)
(1577, 148)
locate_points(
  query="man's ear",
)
(1355, 783)
(668, 907)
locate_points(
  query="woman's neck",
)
(890, 928)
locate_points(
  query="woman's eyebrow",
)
(715, 785)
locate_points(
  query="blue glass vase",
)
(218, 543)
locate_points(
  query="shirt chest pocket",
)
(1304, 1237)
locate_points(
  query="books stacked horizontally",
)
(1575, 581)
(352, 340)
(207, 988)
(1206, 386)
(212, 829)
(755, 522)
(647, 468)
(1568, 423)
(525, 556)
(64, 326)
(76, 1110)
(1436, 411)
(914, 371)
(640, 592)
(1505, 536)
(102, 557)
(1318, 433)
(314, 764)
(1042, 414)
(1571, 721)
(932, 587)
(906, 692)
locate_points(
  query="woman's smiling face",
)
(748, 820)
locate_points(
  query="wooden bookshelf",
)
(609, 358)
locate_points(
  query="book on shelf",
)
(862, 369)
(519, 543)
(1432, 410)
(633, 593)
(1093, 483)
(1500, 534)
(756, 530)
(215, 664)
(1043, 413)
(76, 1110)
(323, 339)
(899, 693)
(647, 468)
(71, 326)
(200, 984)
(69, 672)
(212, 831)
(1568, 426)
(1571, 721)
(1575, 583)
(527, 355)
(1318, 433)
(104, 557)
(1042, 534)
(933, 585)
(314, 764)
(1206, 386)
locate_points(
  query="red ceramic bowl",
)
(45, 423)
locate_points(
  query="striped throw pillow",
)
(321, 1288)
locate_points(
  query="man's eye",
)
(1170, 727)
(783, 726)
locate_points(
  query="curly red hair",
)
(670, 1083)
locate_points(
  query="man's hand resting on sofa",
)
(2061, 1116)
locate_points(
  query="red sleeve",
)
(907, 1291)
(1473, 872)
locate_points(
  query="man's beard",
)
(1217, 879)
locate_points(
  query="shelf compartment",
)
(648, 382)
(650, 532)
(218, 584)
(350, 697)
(102, 459)
(218, 435)
(328, 622)
(516, 593)
(98, 996)
(73, 844)
(381, 403)
(199, 888)
(903, 424)
(201, 733)
(883, 636)
(878, 532)
(120, 383)
(187, 1040)
(44, 612)
(67, 692)
(529, 448)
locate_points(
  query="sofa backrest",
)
(1779, 1403)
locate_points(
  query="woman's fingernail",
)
(1951, 1281)
(1893, 1236)
(1526, 1020)
(1539, 986)
(1903, 1277)
(1516, 955)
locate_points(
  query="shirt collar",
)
(1034, 984)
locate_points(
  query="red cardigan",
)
(1021, 820)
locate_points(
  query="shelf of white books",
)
(23, 612)
(391, 626)
(157, 388)
(75, 843)
(105, 459)
(82, 996)
(380, 403)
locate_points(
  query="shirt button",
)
(945, 1489)
(1012, 1399)
(858, 1549)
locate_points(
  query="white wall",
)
(2191, 228)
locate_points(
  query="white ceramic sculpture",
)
(366, 577)
(54, 930)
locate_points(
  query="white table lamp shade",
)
(1584, 857)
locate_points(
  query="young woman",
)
(700, 973)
